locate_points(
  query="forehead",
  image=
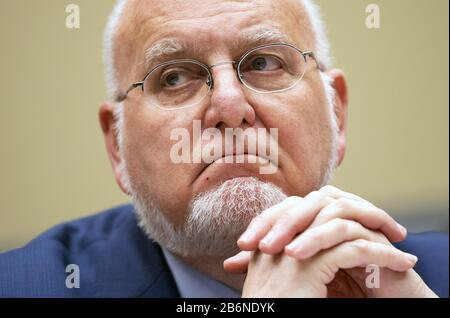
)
(159, 18)
(212, 25)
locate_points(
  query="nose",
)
(229, 106)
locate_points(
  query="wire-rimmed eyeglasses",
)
(270, 68)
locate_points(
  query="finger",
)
(360, 253)
(327, 235)
(365, 213)
(261, 224)
(238, 263)
(337, 193)
(293, 221)
(351, 207)
(297, 219)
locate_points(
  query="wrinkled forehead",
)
(211, 25)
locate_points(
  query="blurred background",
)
(54, 166)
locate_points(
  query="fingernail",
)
(412, 258)
(291, 246)
(293, 251)
(402, 229)
(268, 238)
(245, 237)
(299, 251)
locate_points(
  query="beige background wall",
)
(53, 163)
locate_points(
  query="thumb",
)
(238, 263)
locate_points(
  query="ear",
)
(107, 121)
(339, 84)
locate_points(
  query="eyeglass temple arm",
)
(121, 97)
(311, 55)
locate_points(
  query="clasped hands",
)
(320, 245)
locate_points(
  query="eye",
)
(173, 79)
(264, 63)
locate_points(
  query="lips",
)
(239, 158)
(236, 158)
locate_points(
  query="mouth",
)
(237, 159)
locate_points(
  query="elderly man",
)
(183, 76)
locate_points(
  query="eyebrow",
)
(169, 48)
(259, 37)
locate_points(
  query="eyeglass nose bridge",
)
(223, 63)
(210, 81)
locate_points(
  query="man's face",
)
(217, 31)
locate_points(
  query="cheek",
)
(149, 165)
(303, 123)
(146, 144)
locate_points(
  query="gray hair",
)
(220, 215)
(321, 50)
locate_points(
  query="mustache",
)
(229, 145)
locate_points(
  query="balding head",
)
(128, 16)
(198, 208)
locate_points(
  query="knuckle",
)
(289, 223)
(361, 246)
(343, 203)
(326, 200)
(385, 217)
(290, 215)
(329, 212)
(341, 225)
(284, 223)
(328, 189)
(315, 235)
(321, 218)
(260, 218)
(381, 238)
(337, 207)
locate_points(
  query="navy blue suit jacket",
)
(116, 259)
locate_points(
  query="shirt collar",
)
(192, 283)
